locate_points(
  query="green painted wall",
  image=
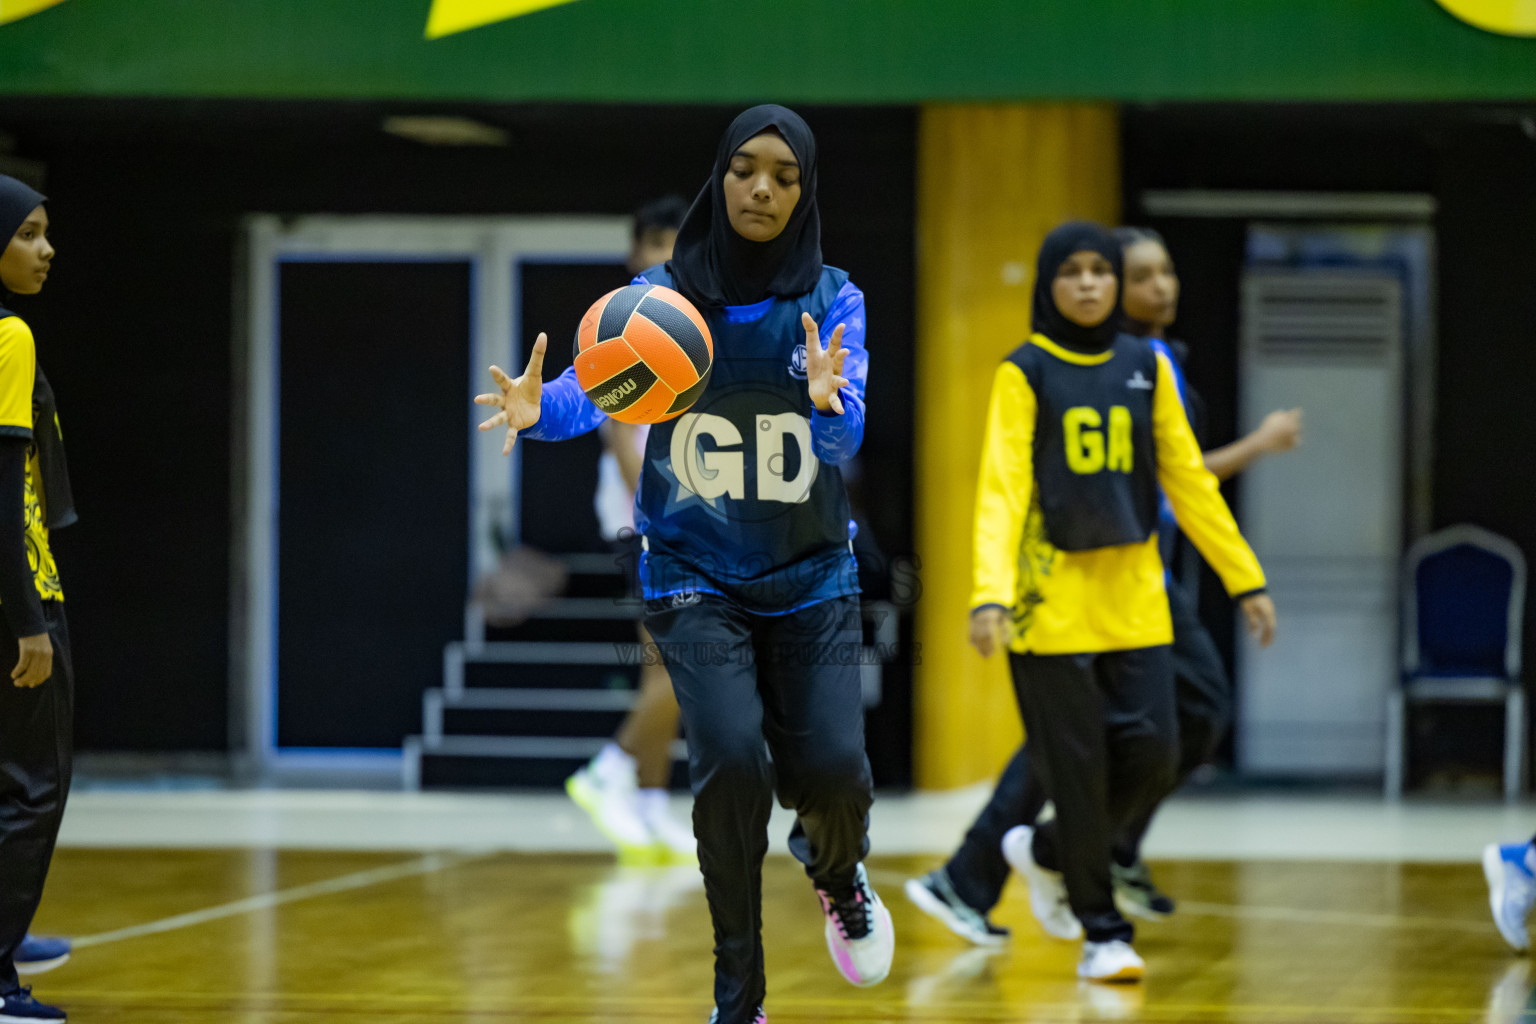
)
(794, 50)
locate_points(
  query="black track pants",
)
(1103, 735)
(749, 685)
(1203, 695)
(36, 747)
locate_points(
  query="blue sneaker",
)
(1511, 889)
(38, 953)
(18, 1007)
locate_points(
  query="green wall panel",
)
(794, 50)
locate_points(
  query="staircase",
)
(527, 705)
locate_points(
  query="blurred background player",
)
(37, 710)
(1203, 689)
(1085, 425)
(624, 788)
(964, 891)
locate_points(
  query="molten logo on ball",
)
(612, 397)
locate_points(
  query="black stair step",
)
(566, 630)
(440, 771)
(599, 724)
(573, 677)
(503, 761)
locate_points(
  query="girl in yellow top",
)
(37, 709)
(1084, 426)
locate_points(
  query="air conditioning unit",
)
(1326, 521)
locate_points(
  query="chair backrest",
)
(1463, 604)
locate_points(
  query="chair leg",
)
(1396, 739)
(1514, 742)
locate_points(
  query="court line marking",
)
(820, 1011)
(1294, 915)
(426, 865)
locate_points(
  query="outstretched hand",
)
(1281, 430)
(824, 366)
(519, 398)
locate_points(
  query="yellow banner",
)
(450, 16)
(13, 10)
(1506, 17)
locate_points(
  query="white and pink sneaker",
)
(860, 936)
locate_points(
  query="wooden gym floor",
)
(325, 937)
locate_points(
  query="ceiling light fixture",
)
(432, 130)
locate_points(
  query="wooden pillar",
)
(993, 179)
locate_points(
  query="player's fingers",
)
(536, 357)
(506, 449)
(836, 402)
(21, 666)
(494, 421)
(488, 399)
(1261, 623)
(812, 333)
(502, 380)
(837, 360)
(835, 346)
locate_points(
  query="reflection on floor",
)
(257, 936)
(1216, 827)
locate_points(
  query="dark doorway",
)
(373, 485)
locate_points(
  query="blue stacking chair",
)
(1463, 602)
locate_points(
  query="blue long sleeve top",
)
(741, 495)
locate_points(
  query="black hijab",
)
(17, 201)
(1045, 318)
(714, 266)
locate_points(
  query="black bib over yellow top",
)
(1066, 508)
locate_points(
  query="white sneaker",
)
(1110, 961)
(1047, 890)
(607, 793)
(672, 839)
(1511, 889)
(859, 933)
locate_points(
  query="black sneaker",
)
(1137, 895)
(935, 896)
(18, 1007)
(761, 1018)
